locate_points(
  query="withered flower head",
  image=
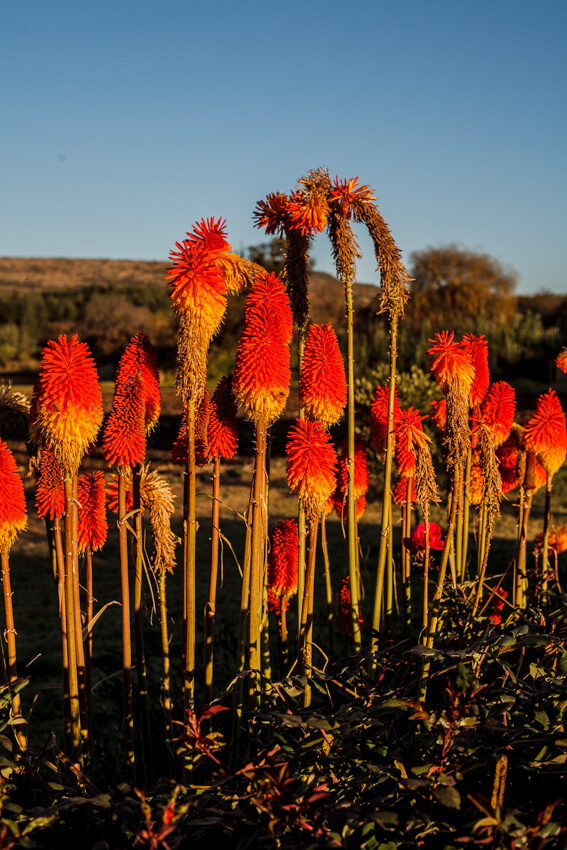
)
(68, 405)
(322, 382)
(311, 465)
(546, 432)
(308, 211)
(347, 194)
(272, 214)
(13, 515)
(92, 527)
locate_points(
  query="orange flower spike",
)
(476, 485)
(507, 456)
(478, 350)
(69, 400)
(222, 431)
(338, 502)
(311, 465)
(346, 193)
(438, 413)
(379, 418)
(272, 214)
(409, 434)
(267, 296)
(322, 382)
(262, 372)
(13, 515)
(283, 559)
(139, 356)
(210, 235)
(361, 477)
(197, 286)
(546, 432)
(400, 491)
(561, 360)
(124, 438)
(112, 495)
(93, 528)
(50, 491)
(344, 620)
(308, 211)
(498, 410)
(453, 366)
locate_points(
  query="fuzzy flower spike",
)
(311, 466)
(546, 432)
(13, 515)
(68, 404)
(322, 383)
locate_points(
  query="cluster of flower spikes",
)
(13, 514)
(307, 209)
(92, 524)
(361, 479)
(344, 619)
(493, 419)
(66, 408)
(519, 465)
(283, 564)
(546, 433)
(135, 405)
(262, 370)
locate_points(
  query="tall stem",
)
(190, 539)
(351, 501)
(521, 575)
(259, 527)
(63, 620)
(466, 515)
(406, 558)
(166, 687)
(328, 584)
(126, 637)
(141, 673)
(11, 640)
(210, 607)
(306, 631)
(545, 544)
(387, 496)
(70, 572)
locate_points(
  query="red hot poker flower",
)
(439, 413)
(379, 418)
(283, 562)
(222, 431)
(93, 528)
(409, 435)
(561, 360)
(344, 620)
(139, 356)
(13, 515)
(262, 372)
(197, 286)
(338, 502)
(497, 412)
(400, 491)
(546, 432)
(478, 349)
(452, 365)
(322, 382)
(50, 491)
(272, 214)
(311, 465)
(346, 194)
(179, 447)
(112, 495)
(210, 235)
(361, 477)
(124, 438)
(308, 211)
(69, 401)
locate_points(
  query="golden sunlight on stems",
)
(259, 522)
(10, 635)
(126, 639)
(406, 555)
(328, 584)
(210, 607)
(351, 500)
(70, 578)
(138, 626)
(166, 682)
(306, 626)
(466, 518)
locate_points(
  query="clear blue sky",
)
(122, 122)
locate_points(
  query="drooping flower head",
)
(283, 563)
(344, 620)
(262, 371)
(478, 350)
(379, 418)
(322, 382)
(13, 515)
(50, 491)
(222, 431)
(496, 413)
(311, 465)
(308, 210)
(346, 195)
(68, 404)
(409, 435)
(124, 437)
(546, 432)
(139, 356)
(273, 213)
(92, 526)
